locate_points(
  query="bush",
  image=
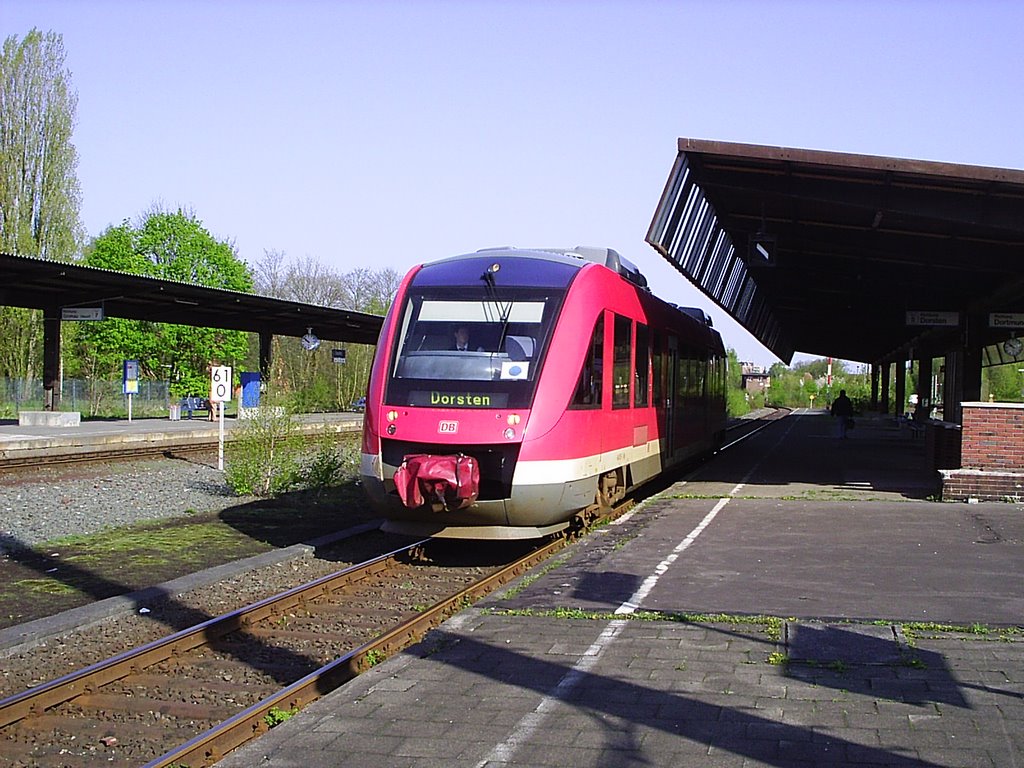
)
(263, 459)
(332, 463)
(270, 456)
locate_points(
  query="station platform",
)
(795, 601)
(20, 442)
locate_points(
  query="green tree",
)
(39, 190)
(784, 389)
(40, 195)
(171, 246)
(810, 391)
(736, 402)
(1003, 383)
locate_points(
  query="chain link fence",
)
(88, 397)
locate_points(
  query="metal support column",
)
(951, 385)
(963, 372)
(883, 405)
(265, 341)
(874, 386)
(970, 375)
(901, 386)
(51, 359)
(924, 388)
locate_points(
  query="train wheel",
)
(610, 489)
(582, 521)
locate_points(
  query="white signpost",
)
(220, 392)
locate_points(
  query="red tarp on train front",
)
(451, 481)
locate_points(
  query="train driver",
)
(461, 339)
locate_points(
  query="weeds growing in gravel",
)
(269, 456)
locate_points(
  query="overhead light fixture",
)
(761, 246)
(762, 250)
(310, 341)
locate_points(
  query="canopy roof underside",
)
(827, 253)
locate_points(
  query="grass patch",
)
(76, 570)
(913, 630)
(771, 625)
(43, 587)
(532, 577)
(277, 716)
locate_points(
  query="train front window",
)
(471, 352)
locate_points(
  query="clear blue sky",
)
(383, 134)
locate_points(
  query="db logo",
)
(447, 427)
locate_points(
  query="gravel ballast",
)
(51, 504)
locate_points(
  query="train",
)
(514, 391)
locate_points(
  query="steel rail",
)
(211, 746)
(759, 424)
(168, 446)
(214, 744)
(35, 701)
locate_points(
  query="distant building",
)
(755, 378)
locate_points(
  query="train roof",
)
(564, 263)
(538, 267)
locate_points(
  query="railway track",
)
(229, 679)
(226, 680)
(140, 446)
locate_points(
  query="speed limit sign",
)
(220, 384)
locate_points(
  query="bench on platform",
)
(191, 404)
(913, 426)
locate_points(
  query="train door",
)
(641, 384)
(671, 398)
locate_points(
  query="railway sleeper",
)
(186, 686)
(137, 705)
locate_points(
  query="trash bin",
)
(175, 412)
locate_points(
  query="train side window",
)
(621, 362)
(642, 364)
(702, 372)
(683, 382)
(658, 359)
(588, 387)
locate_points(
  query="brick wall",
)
(963, 484)
(993, 436)
(991, 454)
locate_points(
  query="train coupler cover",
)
(445, 482)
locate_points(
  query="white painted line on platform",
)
(530, 723)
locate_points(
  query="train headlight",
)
(392, 415)
(513, 419)
(510, 433)
(391, 429)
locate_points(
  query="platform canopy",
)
(864, 258)
(55, 286)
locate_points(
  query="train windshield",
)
(472, 352)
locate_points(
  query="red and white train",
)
(514, 388)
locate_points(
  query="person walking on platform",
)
(842, 410)
(213, 404)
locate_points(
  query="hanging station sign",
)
(1013, 320)
(81, 313)
(925, 317)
